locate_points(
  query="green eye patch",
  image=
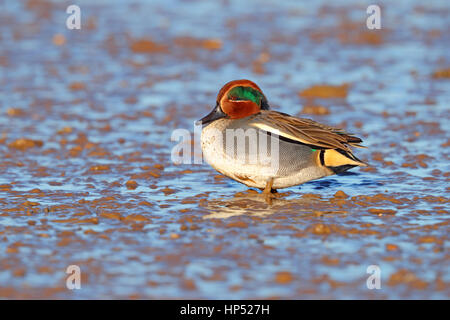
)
(245, 93)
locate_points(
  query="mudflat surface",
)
(86, 176)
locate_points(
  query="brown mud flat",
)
(86, 176)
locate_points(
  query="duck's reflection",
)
(253, 203)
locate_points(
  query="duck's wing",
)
(306, 131)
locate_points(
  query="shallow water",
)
(98, 107)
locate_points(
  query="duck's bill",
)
(216, 114)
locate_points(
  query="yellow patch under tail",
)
(333, 158)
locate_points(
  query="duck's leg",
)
(268, 189)
(268, 192)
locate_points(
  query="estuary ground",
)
(86, 176)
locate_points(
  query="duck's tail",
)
(339, 160)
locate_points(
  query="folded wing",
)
(335, 142)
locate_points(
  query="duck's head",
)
(237, 99)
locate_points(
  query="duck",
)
(243, 139)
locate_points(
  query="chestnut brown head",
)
(236, 100)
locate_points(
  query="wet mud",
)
(86, 176)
